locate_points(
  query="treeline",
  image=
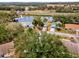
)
(8, 8)
(70, 9)
(61, 9)
(67, 19)
(22, 3)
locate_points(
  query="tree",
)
(34, 45)
(13, 14)
(37, 22)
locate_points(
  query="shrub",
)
(34, 45)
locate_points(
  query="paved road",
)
(64, 34)
(49, 13)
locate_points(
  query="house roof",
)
(72, 26)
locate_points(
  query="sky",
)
(39, 0)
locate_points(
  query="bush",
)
(33, 45)
(8, 31)
(4, 34)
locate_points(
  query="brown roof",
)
(4, 48)
(72, 26)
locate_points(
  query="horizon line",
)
(42, 1)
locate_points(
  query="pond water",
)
(27, 20)
(30, 18)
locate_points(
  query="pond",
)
(27, 20)
(30, 18)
